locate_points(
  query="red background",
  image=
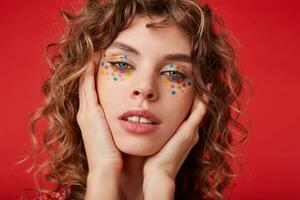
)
(268, 34)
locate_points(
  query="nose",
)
(145, 89)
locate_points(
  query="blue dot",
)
(115, 78)
(171, 65)
(173, 92)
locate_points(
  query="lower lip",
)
(137, 128)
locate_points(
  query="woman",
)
(140, 103)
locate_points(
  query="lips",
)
(137, 127)
(141, 113)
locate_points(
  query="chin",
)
(137, 149)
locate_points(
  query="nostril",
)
(137, 93)
(150, 95)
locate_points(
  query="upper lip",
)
(141, 113)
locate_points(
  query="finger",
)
(88, 85)
(96, 60)
(199, 109)
(80, 92)
(197, 113)
(209, 86)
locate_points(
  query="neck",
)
(132, 177)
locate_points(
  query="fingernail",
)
(209, 86)
(195, 103)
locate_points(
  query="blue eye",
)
(121, 65)
(175, 75)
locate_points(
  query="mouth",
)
(139, 121)
(140, 116)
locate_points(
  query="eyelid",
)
(119, 58)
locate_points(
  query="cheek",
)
(177, 87)
(105, 88)
(111, 72)
(176, 103)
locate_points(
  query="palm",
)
(170, 158)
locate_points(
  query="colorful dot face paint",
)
(115, 67)
(177, 81)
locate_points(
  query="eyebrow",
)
(174, 57)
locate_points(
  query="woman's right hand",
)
(100, 148)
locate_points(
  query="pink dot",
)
(172, 86)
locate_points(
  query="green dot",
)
(173, 92)
(115, 78)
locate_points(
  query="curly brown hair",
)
(207, 170)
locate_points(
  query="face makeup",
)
(115, 68)
(178, 83)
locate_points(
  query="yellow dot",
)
(101, 72)
(128, 74)
(165, 81)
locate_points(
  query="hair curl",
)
(206, 172)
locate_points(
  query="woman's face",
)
(150, 69)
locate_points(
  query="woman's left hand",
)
(169, 159)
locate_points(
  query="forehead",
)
(155, 40)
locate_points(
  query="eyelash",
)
(117, 63)
(181, 75)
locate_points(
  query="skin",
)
(137, 163)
